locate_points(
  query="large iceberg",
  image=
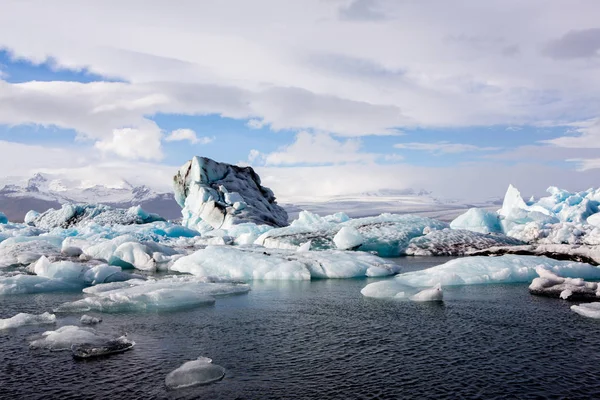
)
(388, 235)
(485, 270)
(217, 195)
(173, 293)
(563, 217)
(254, 263)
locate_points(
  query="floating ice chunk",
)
(247, 263)
(174, 293)
(68, 271)
(3, 218)
(348, 238)
(135, 254)
(456, 242)
(389, 288)
(590, 310)
(594, 220)
(206, 191)
(198, 372)
(89, 320)
(304, 247)
(478, 220)
(14, 252)
(22, 284)
(65, 337)
(434, 294)
(113, 346)
(31, 216)
(23, 319)
(551, 285)
(504, 269)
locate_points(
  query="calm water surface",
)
(323, 339)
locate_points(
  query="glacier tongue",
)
(217, 195)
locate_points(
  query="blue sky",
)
(418, 100)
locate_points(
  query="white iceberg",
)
(89, 320)
(23, 319)
(490, 270)
(198, 372)
(253, 263)
(478, 220)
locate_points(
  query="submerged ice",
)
(197, 372)
(24, 319)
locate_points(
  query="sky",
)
(321, 97)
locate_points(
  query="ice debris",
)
(217, 195)
(253, 262)
(89, 320)
(198, 372)
(551, 285)
(23, 319)
(112, 346)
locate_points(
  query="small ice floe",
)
(551, 285)
(89, 320)
(433, 294)
(23, 319)
(590, 310)
(113, 346)
(198, 372)
(65, 337)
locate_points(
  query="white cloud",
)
(255, 124)
(189, 135)
(319, 148)
(585, 135)
(586, 164)
(133, 143)
(452, 64)
(443, 147)
(255, 156)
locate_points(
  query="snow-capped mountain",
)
(44, 191)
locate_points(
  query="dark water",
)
(321, 340)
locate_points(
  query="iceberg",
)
(551, 285)
(3, 219)
(489, 270)
(217, 195)
(198, 372)
(26, 251)
(23, 319)
(72, 215)
(388, 235)
(254, 263)
(173, 293)
(454, 242)
(478, 220)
